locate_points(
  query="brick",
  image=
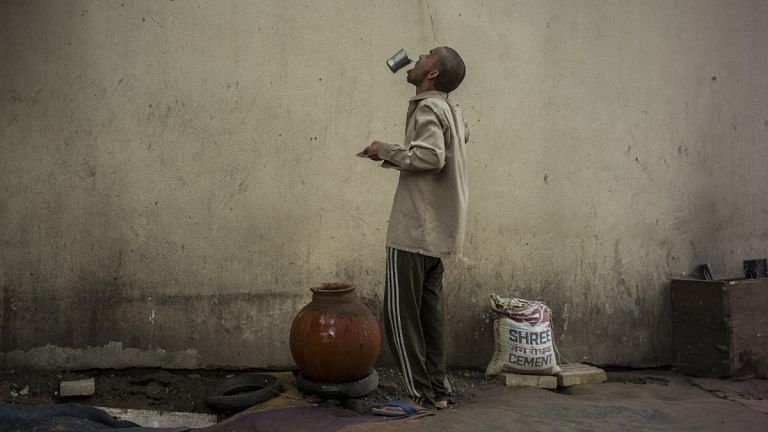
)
(86, 387)
(538, 381)
(576, 374)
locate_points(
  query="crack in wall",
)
(432, 23)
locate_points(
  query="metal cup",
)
(398, 61)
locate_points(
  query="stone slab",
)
(577, 373)
(538, 381)
(86, 387)
(162, 419)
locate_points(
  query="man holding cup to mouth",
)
(426, 224)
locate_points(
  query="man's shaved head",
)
(451, 68)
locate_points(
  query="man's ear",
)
(433, 74)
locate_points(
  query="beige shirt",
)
(429, 211)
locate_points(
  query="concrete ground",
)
(631, 401)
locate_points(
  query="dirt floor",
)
(630, 400)
(184, 390)
(652, 400)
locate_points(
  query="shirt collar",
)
(428, 94)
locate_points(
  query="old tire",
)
(348, 390)
(242, 391)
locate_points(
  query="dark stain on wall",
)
(213, 324)
(7, 341)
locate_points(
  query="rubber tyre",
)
(242, 391)
(348, 390)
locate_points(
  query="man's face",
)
(418, 73)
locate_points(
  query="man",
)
(426, 224)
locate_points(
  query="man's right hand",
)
(372, 151)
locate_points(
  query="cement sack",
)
(523, 338)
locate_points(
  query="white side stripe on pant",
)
(397, 327)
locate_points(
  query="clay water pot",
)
(335, 338)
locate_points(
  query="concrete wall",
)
(175, 175)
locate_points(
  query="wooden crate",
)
(720, 327)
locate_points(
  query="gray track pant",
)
(414, 323)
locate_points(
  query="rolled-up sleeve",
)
(425, 151)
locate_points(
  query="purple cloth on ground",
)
(294, 419)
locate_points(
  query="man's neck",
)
(425, 86)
